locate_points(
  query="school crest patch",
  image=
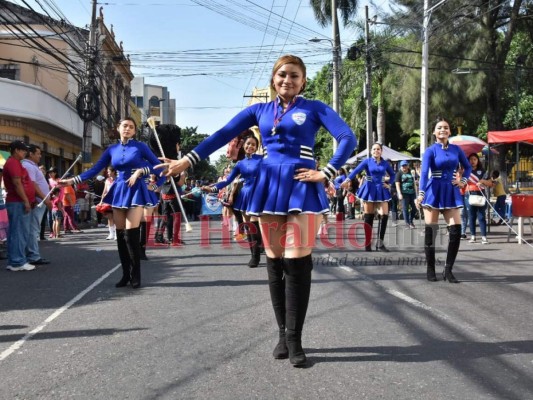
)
(299, 118)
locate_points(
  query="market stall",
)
(522, 203)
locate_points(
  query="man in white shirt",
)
(31, 164)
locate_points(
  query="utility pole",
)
(368, 86)
(336, 47)
(87, 103)
(424, 81)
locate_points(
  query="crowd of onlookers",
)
(40, 209)
(37, 207)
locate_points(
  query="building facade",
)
(42, 71)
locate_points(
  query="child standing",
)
(57, 211)
(499, 193)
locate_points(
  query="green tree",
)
(190, 138)
(476, 36)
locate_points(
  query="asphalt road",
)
(201, 327)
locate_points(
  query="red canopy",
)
(518, 135)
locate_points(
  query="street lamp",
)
(335, 50)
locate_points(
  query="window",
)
(10, 71)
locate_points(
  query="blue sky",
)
(214, 51)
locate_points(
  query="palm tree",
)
(326, 13)
(323, 8)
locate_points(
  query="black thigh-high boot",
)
(143, 234)
(276, 286)
(297, 291)
(369, 222)
(380, 246)
(255, 242)
(430, 233)
(124, 256)
(453, 248)
(134, 249)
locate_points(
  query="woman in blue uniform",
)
(439, 193)
(374, 192)
(289, 194)
(128, 195)
(247, 169)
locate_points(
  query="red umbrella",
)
(469, 144)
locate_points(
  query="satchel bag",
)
(476, 200)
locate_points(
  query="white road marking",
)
(18, 344)
(402, 296)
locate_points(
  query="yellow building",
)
(42, 71)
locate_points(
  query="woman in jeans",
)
(476, 186)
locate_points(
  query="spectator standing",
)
(82, 201)
(31, 164)
(69, 201)
(19, 201)
(476, 186)
(53, 180)
(44, 220)
(57, 212)
(111, 176)
(405, 186)
(500, 194)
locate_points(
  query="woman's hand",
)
(419, 201)
(173, 167)
(207, 189)
(133, 178)
(346, 184)
(309, 175)
(458, 182)
(65, 182)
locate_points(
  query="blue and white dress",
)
(126, 159)
(247, 168)
(439, 166)
(372, 189)
(288, 138)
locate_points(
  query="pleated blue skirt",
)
(373, 192)
(243, 198)
(441, 194)
(120, 195)
(277, 193)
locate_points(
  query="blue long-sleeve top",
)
(125, 158)
(442, 162)
(374, 171)
(294, 137)
(247, 168)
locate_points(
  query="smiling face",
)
(127, 129)
(288, 77)
(442, 131)
(376, 150)
(250, 146)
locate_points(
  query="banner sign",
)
(211, 205)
